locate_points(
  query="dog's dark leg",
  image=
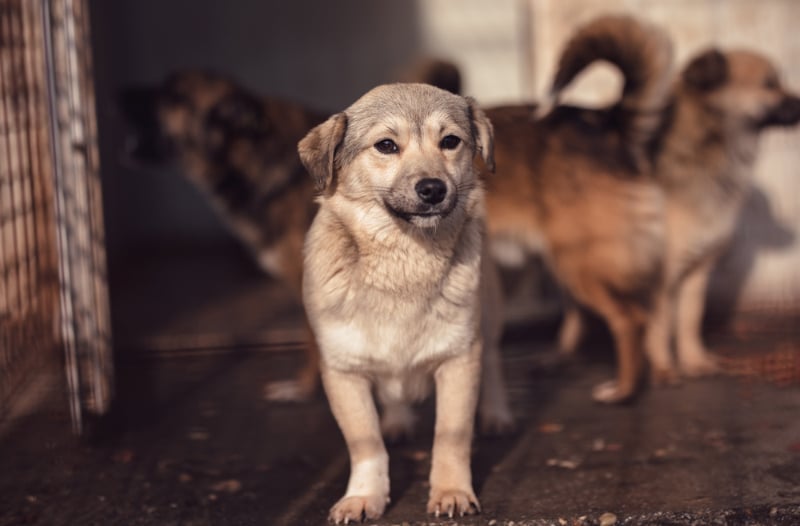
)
(628, 339)
(658, 339)
(495, 414)
(572, 330)
(627, 328)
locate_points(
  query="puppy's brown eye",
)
(450, 142)
(386, 146)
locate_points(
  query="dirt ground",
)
(191, 441)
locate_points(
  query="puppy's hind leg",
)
(397, 419)
(350, 398)
(495, 414)
(303, 386)
(285, 264)
(457, 387)
(693, 358)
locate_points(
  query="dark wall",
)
(320, 52)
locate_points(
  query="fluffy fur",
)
(239, 150)
(392, 280)
(635, 203)
(576, 184)
(704, 161)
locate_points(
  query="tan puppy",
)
(723, 101)
(240, 150)
(392, 277)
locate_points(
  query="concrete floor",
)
(192, 442)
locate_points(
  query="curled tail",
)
(642, 52)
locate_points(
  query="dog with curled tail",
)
(393, 281)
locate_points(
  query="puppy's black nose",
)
(790, 109)
(431, 191)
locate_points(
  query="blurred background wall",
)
(326, 54)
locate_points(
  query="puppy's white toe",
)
(357, 508)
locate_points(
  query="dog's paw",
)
(611, 393)
(453, 502)
(699, 364)
(286, 391)
(357, 508)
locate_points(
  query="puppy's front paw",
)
(611, 393)
(358, 508)
(453, 502)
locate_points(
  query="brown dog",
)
(240, 151)
(578, 184)
(634, 204)
(392, 280)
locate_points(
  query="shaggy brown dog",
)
(634, 204)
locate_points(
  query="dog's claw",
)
(452, 503)
(357, 509)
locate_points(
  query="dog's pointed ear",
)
(483, 133)
(318, 150)
(707, 71)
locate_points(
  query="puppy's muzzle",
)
(431, 191)
(422, 202)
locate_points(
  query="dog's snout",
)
(786, 113)
(431, 190)
(790, 108)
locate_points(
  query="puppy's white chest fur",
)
(391, 307)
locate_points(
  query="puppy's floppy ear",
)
(483, 133)
(318, 150)
(707, 71)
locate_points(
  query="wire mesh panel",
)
(28, 281)
(53, 292)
